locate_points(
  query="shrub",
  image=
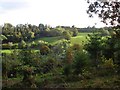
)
(66, 35)
(54, 32)
(33, 44)
(76, 47)
(80, 61)
(22, 44)
(75, 32)
(69, 56)
(15, 46)
(67, 70)
(107, 67)
(6, 66)
(41, 43)
(108, 64)
(94, 47)
(44, 50)
(48, 64)
(5, 46)
(28, 77)
(87, 74)
(26, 56)
(9, 64)
(104, 32)
(61, 46)
(10, 44)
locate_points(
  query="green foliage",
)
(55, 32)
(28, 78)
(111, 48)
(22, 44)
(105, 32)
(87, 74)
(48, 64)
(105, 10)
(67, 70)
(60, 47)
(58, 61)
(5, 46)
(94, 46)
(42, 42)
(76, 47)
(108, 47)
(33, 45)
(66, 35)
(10, 44)
(9, 64)
(2, 37)
(69, 56)
(29, 57)
(75, 32)
(14, 46)
(107, 67)
(68, 60)
(30, 64)
(108, 64)
(6, 66)
(80, 62)
(44, 50)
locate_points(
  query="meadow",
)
(80, 39)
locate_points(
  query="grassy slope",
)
(80, 39)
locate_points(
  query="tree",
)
(10, 44)
(2, 37)
(66, 35)
(108, 11)
(5, 65)
(9, 64)
(94, 47)
(80, 61)
(22, 44)
(104, 32)
(75, 32)
(41, 27)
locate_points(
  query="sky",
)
(50, 12)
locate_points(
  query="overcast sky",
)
(51, 12)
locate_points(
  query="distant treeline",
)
(30, 32)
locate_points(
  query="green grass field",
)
(80, 39)
(50, 39)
